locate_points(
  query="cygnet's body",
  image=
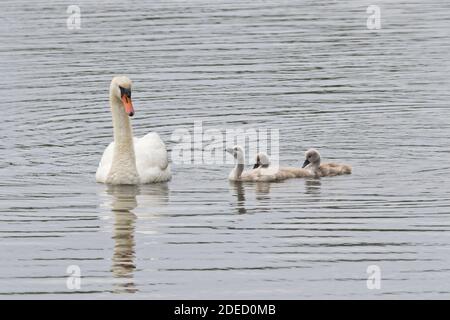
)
(262, 171)
(280, 173)
(313, 165)
(238, 173)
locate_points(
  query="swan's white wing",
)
(151, 159)
(105, 164)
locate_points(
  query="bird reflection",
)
(313, 186)
(124, 199)
(123, 266)
(123, 259)
(262, 190)
(240, 194)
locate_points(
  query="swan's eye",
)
(125, 92)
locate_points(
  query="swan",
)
(263, 161)
(262, 172)
(238, 173)
(130, 160)
(313, 165)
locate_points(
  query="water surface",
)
(376, 100)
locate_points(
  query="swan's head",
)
(121, 89)
(262, 160)
(237, 152)
(311, 156)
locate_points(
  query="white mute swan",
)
(130, 160)
(312, 164)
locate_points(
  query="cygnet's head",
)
(262, 160)
(311, 156)
(120, 88)
(237, 152)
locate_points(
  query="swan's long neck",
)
(123, 168)
(123, 134)
(239, 168)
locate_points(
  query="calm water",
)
(376, 100)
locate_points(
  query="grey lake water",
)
(375, 99)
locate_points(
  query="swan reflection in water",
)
(312, 186)
(240, 195)
(262, 191)
(124, 199)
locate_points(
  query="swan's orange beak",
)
(126, 100)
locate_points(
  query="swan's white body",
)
(151, 161)
(130, 160)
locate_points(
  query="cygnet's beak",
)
(306, 163)
(257, 164)
(229, 150)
